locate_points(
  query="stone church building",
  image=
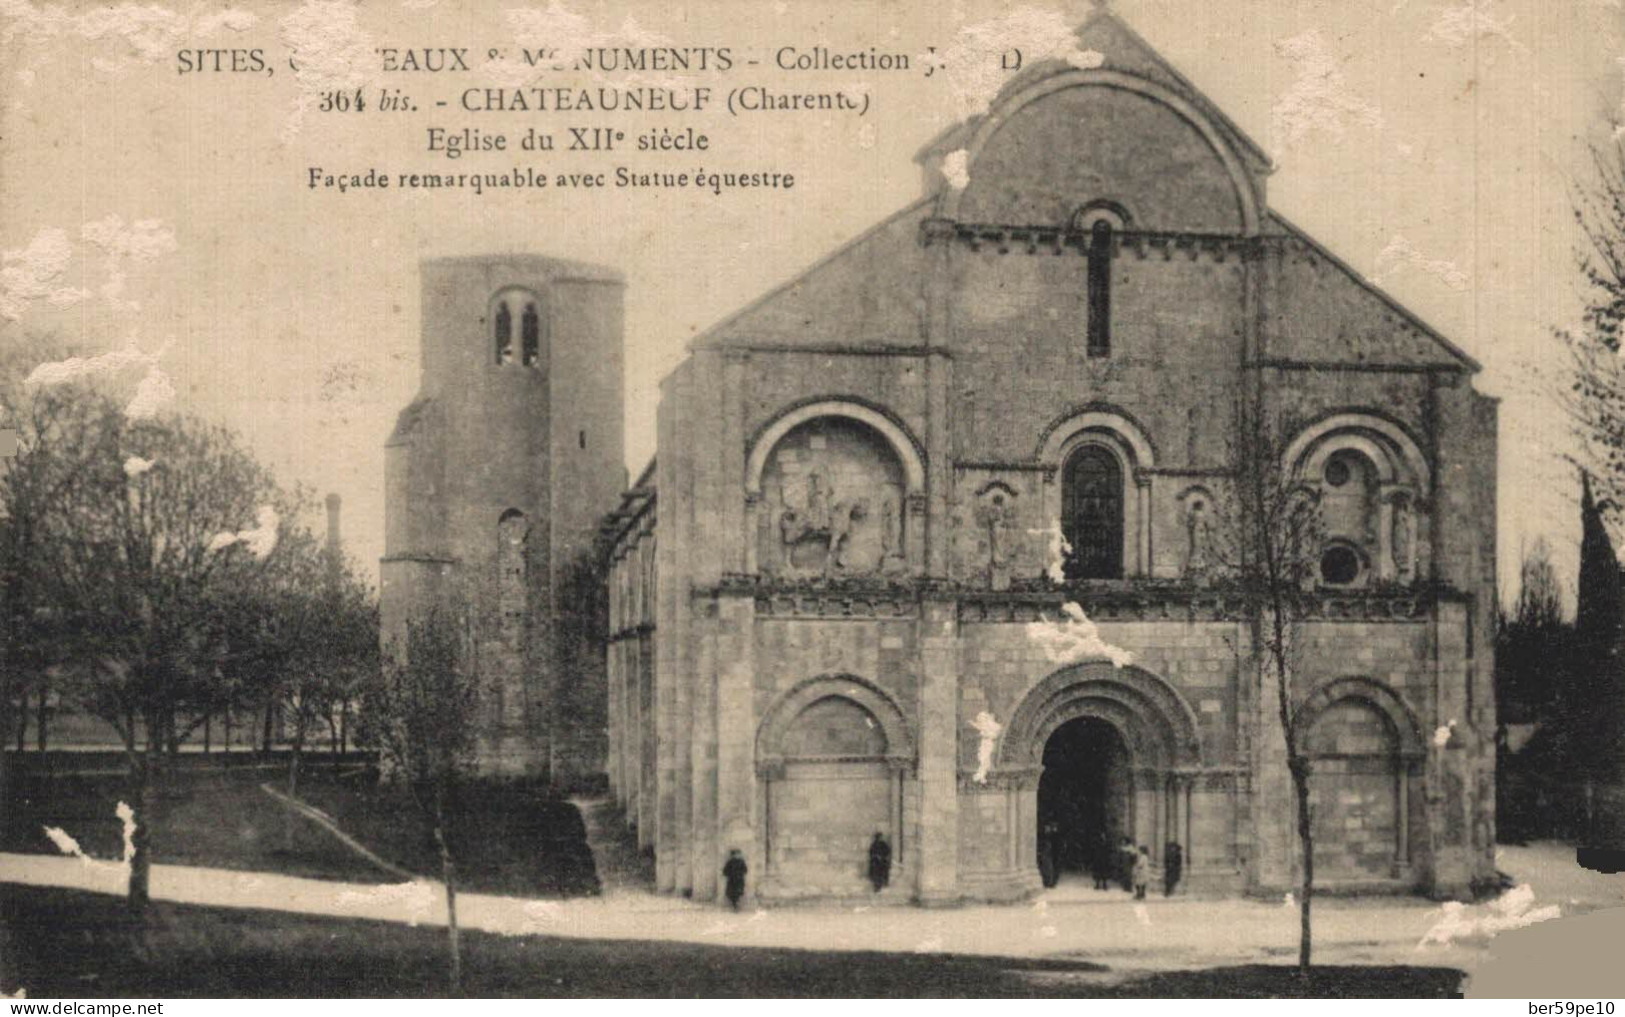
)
(839, 597)
(497, 476)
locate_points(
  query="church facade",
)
(930, 544)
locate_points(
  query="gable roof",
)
(828, 303)
(1125, 50)
(1456, 353)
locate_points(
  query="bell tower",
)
(498, 473)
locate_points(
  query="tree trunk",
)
(265, 744)
(39, 720)
(1306, 839)
(141, 837)
(448, 873)
(1280, 641)
(22, 721)
(344, 726)
(208, 724)
(225, 723)
(293, 777)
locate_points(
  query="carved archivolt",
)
(1157, 724)
(772, 737)
(1385, 700)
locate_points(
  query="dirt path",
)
(1159, 934)
(621, 868)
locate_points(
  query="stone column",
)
(1387, 568)
(704, 868)
(1142, 542)
(938, 854)
(1449, 767)
(673, 601)
(736, 822)
(1273, 804)
(938, 721)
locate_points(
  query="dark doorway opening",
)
(1083, 803)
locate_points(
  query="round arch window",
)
(1339, 470)
(1340, 565)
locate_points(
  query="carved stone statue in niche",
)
(995, 515)
(1198, 537)
(891, 537)
(833, 535)
(1404, 539)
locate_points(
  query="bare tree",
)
(299, 638)
(421, 713)
(1268, 539)
(1594, 396)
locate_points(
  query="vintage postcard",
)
(866, 498)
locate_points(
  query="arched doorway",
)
(1084, 801)
(1365, 750)
(1115, 745)
(1356, 793)
(832, 756)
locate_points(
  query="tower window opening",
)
(531, 328)
(1100, 283)
(503, 331)
(581, 438)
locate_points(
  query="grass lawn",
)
(509, 839)
(68, 943)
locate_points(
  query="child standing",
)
(1142, 872)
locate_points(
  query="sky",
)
(1434, 145)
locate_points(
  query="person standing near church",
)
(1046, 853)
(733, 873)
(1173, 866)
(1141, 872)
(1127, 855)
(879, 862)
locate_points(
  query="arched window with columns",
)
(1092, 513)
(1369, 476)
(516, 327)
(1098, 493)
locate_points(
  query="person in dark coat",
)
(1100, 860)
(733, 871)
(1127, 855)
(1046, 853)
(879, 862)
(1173, 866)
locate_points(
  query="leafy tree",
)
(1590, 705)
(32, 431)
(1534, 641)
(299, 638)
(132, 530)
(422, 712)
